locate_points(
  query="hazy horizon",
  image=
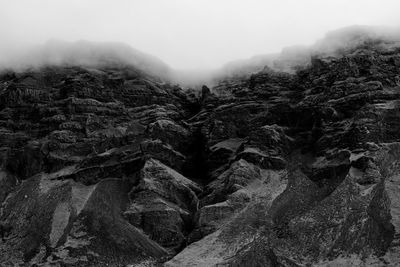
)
(188, 34)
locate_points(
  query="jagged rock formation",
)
(107, 166)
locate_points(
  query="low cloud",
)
(110, 54)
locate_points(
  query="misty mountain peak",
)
(57, 52)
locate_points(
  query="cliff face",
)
(105, 166)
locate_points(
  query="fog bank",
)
(188, 34)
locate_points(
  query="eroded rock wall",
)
(104, 166)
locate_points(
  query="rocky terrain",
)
(106, 166)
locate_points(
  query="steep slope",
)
(107, 166)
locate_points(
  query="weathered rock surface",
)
(107, 166)
(162, 203)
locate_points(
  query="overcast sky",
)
(189, 34)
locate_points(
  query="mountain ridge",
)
(100, 54)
